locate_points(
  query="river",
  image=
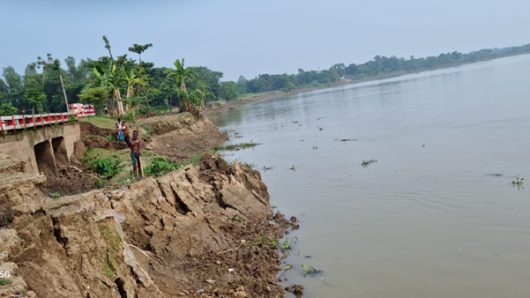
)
(436, 216)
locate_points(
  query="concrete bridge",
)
(41, 147)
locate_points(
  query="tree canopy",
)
(126, 85)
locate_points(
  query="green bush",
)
(160, 166)
(106, 167)
(7, 109)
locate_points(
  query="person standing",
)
(125, 132)
(119, 128)
(136, 148)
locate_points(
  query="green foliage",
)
(101, 121)
(4, 281)
(98, 96)
(228, 90)
(110, 261)
(34, 91)
(54, 195)
(139, 49)
(7, 109)
(117, 80)
(160, 166)
(105, 166)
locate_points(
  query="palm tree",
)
(139, 49)
(181, 74)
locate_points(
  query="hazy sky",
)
(249, 37)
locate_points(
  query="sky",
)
(251, 37)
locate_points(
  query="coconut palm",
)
(139, 49)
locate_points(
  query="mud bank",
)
(201, 231)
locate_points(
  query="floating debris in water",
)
(287, 267)
(366, 163)
(310, 270)
(346, 140)
(292, 168)
(495, 174)
(518, 181)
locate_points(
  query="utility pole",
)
(64, 93)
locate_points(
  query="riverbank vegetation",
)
(135, 87)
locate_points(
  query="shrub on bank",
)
(160, 166)
(106, 167)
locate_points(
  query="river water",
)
(436, 215)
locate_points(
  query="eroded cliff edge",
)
(204, 230)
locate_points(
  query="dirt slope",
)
(201, 231)
(179, 137)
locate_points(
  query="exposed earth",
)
(205, 230)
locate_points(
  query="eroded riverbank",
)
(204, 230)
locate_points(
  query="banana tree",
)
(135, 80)
(180, 74)
(111, 77)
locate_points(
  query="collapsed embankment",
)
(205, 230)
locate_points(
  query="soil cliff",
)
(205, 230)
(201, 231)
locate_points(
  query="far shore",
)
(223, 106)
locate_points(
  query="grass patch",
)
(193, 160)
(114, 167)
(4, 281)
(101, 121)
(109, 262)
(54, 195)
(235, 147)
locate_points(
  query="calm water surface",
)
(436, 215)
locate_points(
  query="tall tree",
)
(110, 74)
(34, 92)
(139, 49)
(180, 74)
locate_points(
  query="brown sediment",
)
(181, 138)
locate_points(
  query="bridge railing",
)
(16, 122)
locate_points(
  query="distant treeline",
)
(136, 86)
(380, 66)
